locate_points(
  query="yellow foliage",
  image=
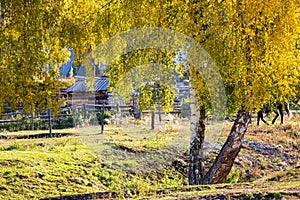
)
(253, 42)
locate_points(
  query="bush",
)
(103, 117)
(39, 124)
(62, 123)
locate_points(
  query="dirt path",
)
(271, 190)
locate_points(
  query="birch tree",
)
(252, 42)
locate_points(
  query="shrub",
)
(103, 117)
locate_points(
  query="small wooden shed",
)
(79, 93)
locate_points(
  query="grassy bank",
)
(39, 168)
(132, 159)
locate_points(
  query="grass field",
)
(137, 159)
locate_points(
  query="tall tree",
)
(253, 44)
(251, 41)
(33, 40)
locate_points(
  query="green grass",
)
(38, 168)
(53, 168)
(90, 162)
(152, 140)
(136, 149)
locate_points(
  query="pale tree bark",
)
(225, 159)
(196, 166)
(196, 162)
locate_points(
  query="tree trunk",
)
(152, 119)
(32, 120)
(196, 162)
(159, 113)
(136, 111)
(225, 159)
(50, 123)
(102, 121)
(118, 115)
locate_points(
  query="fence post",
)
(84, 111)
(102, 121)
(74, 115)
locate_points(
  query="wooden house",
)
(79, 93)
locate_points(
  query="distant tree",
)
(146, 74)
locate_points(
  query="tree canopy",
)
(252, 42)
(34, 36)
(254, 45)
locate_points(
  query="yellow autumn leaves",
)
(251, 41)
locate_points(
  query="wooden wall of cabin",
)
(79, 98)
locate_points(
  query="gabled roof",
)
(64, 70)
(101, 85)
(80, 86)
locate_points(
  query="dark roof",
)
(64, 70)
(80, 86)
(79, 70)
(101, 85)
